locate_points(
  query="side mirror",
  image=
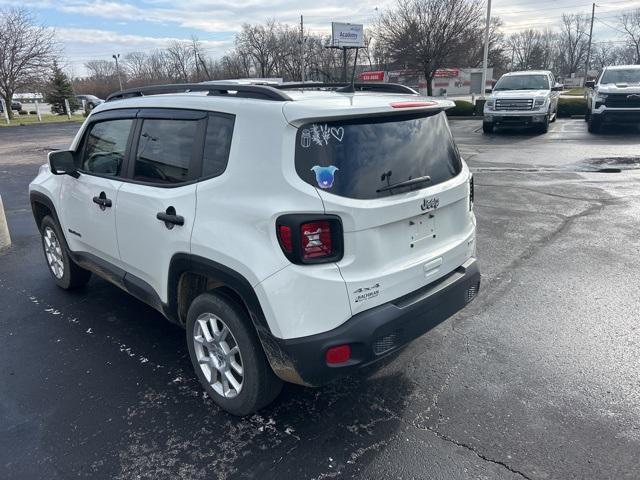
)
(62, 163)
(590, 83)
(558, 87)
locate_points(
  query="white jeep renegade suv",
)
(298, 233)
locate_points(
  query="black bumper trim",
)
(381, 330)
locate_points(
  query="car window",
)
(105, 146)
(523, 82)
(630, 75)
(164, 150)
(362, 158)
(217, 144)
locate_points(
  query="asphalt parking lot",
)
(538, 378)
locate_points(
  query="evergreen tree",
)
(58, 89)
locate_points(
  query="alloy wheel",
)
(218, 355)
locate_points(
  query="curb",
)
(5, 238)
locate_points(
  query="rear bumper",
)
(375, 333)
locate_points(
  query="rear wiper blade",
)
(406, 183)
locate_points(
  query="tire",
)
(487, 127)
(65, 272)
(209, 348)
(544, 127)
(594, 124)
(587, 116)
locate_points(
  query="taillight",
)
(338, 355)
(307, 238)
(316, 240)
(471, 193)
(284, 235)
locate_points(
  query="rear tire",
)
(227, 355)
(62, 268)
(594, 124)
(487, 127)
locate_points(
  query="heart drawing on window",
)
(338, 133)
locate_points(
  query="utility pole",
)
(485, 57)
(586, 63)
(195, 57)
(301, 48)
(116, 57)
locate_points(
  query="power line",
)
(611, 26)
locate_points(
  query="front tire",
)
(544, 127)
(594, 124)
(64, 271)
(227, 355)
(487, 127)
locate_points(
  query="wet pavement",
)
(538, 378)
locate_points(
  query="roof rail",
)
(261, 92)
(359, 87)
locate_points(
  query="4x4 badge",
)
(430, 204)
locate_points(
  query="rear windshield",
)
(362, 158)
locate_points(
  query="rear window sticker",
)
(320, 135)
(305, 139)
(325, 175)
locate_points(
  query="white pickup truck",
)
(528, 98)
(614, 97)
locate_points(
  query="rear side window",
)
(165, 149)
(217, 144)
(105, 146)
(361, 158)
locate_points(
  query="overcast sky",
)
(97, 29)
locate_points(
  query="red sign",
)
(372, 76)
(447, 73)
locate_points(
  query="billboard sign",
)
(377, 76)
(347, 35)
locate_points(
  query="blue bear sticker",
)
(324, 175)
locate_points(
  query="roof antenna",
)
(351, 88)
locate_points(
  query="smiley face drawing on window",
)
(324, 175)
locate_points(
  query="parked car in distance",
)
(15, 105)
(527, 98)
(298, 233)
(91, 100)
(614, 98)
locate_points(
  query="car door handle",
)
(170, 218)
(102, 201)
(173, 219)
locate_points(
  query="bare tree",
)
(26, 52)
(604, 54)
(424, 34)
(573, 42)
(533, 49)
(181, 60)
(630, 23)
(259, 42)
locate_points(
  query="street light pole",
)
(485, 60)
(116, 57)
(586, 63)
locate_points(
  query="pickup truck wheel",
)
(544, 126)
(227, 355)
(487, 127)
(594, 124)
(64, 271)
